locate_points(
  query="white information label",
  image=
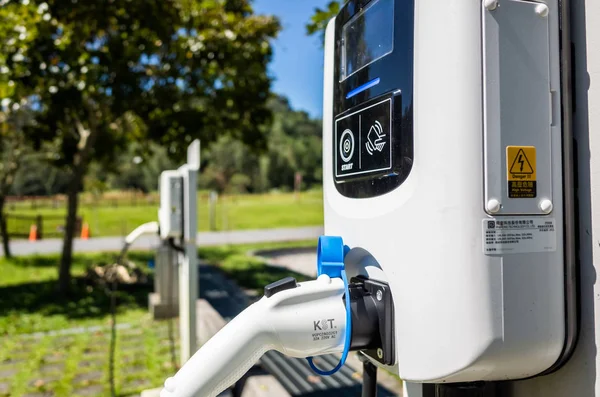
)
(518, 235)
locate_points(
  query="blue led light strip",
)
(363, 87)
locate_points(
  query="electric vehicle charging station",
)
(462, 210)
(448, 201)
(177, 228)
(178, 221)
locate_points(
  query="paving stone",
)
(55, 357)
(92, 390)
(4, 388)
(13, 360)
(132, 358)
(97, 362)
(63, 342)
(88, 376)
(52, 367)
(43, 381)
(95, 349)
(95, 354)
(167, 342)
(39, 394)
(132, 331)
(134, 369)
(136, 384)
(7, 372)
(132, 347)
(98, 342)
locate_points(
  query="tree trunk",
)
(64, 273)
(80, 164)
(4, 231)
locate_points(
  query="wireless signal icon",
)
(375, 137)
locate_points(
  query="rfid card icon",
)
(375, 138)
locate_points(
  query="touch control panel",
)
(364, 141)
(372, 131)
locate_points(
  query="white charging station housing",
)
(170, 212)
(464, 217)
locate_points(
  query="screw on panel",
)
(542, 10)
(380, 353)
(546, 206)
(493, 206)
(490, 5)
(379, 295)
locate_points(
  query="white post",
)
(188, 271)
(580, 376)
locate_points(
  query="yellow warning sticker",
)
(520, 173)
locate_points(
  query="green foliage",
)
(293, 145)
(320, 18)
(188, 68)
(228, 159)
(138, 168)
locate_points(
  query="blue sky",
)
(297, 66)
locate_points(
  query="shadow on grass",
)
(84, 301)
(79, 260)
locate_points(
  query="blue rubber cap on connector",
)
(330, 256)
(330, 261)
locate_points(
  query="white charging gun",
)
(296, 319)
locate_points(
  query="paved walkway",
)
(204, 239)
(300, 260)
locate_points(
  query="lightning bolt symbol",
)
(521, 162)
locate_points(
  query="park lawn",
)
(29, 302)
(239, 212)
(65, 363)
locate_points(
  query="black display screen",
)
(367, 37)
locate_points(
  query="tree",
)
(14, 151)
(295, 145)
(320, 18)
(11, 145)
(229, 166)
(94, 69)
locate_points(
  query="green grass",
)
(74, 365)
(232, 213)
(71, 365)
(29, 301)
(77, 365)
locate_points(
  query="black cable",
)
(112, 293)
(369, 387)
(113, 337)
(177, 248)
